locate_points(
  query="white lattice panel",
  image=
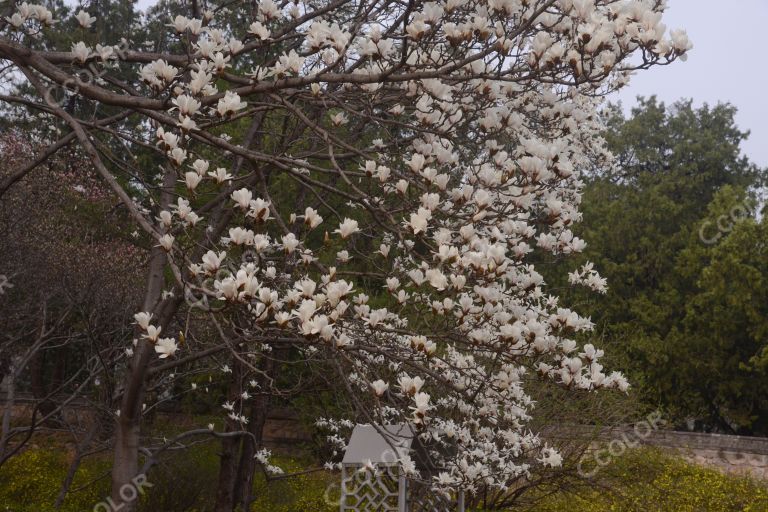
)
(366, 491)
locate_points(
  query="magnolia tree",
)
(368, 182)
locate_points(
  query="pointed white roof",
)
(381, 444)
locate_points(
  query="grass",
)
(646, 480)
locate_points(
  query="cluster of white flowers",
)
(481, 115)
(461, 218)
(29, 15)
(263, 457)
(588, 276)
(164, 347)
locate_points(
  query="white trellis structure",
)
(386, 488)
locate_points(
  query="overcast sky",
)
(724, 66)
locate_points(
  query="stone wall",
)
(736, 454)
(733, 454)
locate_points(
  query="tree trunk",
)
(230, 446)
(5, 368)
(128, 428)
(5, 423)
(38, 385)
(256, 421)
(225, 491)
(127, 435)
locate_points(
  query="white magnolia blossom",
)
(84, 19)
(166, 242)
(242, 197)
(142, 319)
(347, 228)
(379, 387)
(166, 347)
(152, 333)
(81, 52)
(230, 104)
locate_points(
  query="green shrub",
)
(184, 482)
(648, 480)
(30, 482)
(311, 492)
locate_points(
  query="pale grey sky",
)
(724, 66)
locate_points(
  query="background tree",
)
(652, 222)
(74, 292)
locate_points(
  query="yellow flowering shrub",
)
(642, 480)
(31, 481)
(311, 492)
(648, 480)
